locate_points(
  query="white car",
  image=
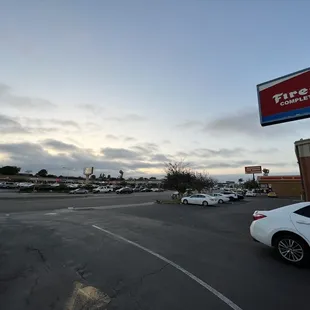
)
(199, 199)
(221, 198)
(25, 184)
(287, 229)
(250, 194)
(231, 195)
(103, 189)
(79, 191)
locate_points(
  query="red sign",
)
(285, 99)
(253, 169)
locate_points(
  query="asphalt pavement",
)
(143, 257)
(36, 202)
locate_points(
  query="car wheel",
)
(185, 202)
(221, 201)
(292, 249)
(205, 203)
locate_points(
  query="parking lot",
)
(143, 256)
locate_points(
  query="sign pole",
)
(253, 177)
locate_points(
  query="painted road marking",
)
(111, 206)
(212, 290)
(52, 213)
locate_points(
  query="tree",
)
(250, 184)
(203, 181)
(42, 173)
(93, 177)
(108, 177)
(152, 178)
(265, 172)
(121, 173)
(240, 180)
(102, 177)
(178, 176)
(9, 170)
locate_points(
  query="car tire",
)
(220, 201)
(205, 203)
(185, 202)
(300, 252)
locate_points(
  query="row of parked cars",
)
(110, 189)
(212, 199)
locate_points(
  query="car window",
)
(201, 196)
(304, 211)
(194, 196)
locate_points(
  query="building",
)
(284, 186)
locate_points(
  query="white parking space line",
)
(112, 206)
(208, 287)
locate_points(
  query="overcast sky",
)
(134, 84)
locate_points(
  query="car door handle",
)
(302, 222)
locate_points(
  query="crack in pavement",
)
(32, 249)
(138, 282)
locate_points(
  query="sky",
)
(133, 85)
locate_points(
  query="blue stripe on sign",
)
(286, 115)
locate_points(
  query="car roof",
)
(291, 208)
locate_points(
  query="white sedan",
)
(199, 199)
(221, 198)
(287, 229)
(250, 194)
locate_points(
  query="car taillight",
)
(258, 216)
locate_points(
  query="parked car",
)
(231, 195)
(73, 185)
(221, 198)
(199, 199)
(250, 194)
(55, 185)
(103, 189)
(287, 229)
(272, 195)
(240, 196)
(124, 190)
(146, 190)
(9, 185)
(79, 191)
(25, 184)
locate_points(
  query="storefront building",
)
(284, 186)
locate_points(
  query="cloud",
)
(129, 139)
(160, 158)
(36, 156)
(189, 124)
(65, 123)
(246, 123)
(32, 156)
(91, 108)
(166, 142)
(11, 126)
(224, 152)
(22, 102)
(46, 122)
(59, 145)
(203, 152)
(126, 118)
(111, 137)
(146, 147)
(120, 153)
(124, 138)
